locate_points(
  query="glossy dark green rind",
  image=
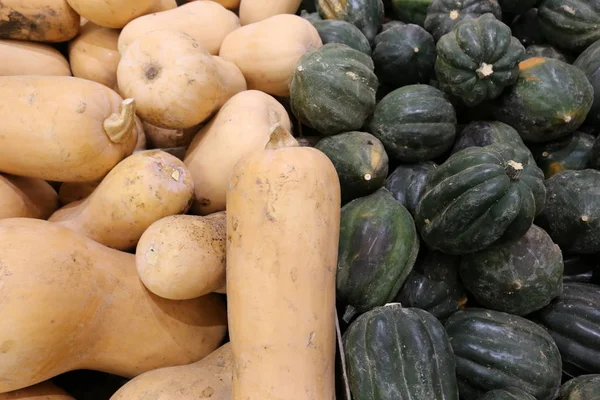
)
(509, 393)
(570, 24)
(570, 153)
(478, 59)
(517, 277)
(391, 24)
(407, 183)
(336, 31)
(378, 248)
(547, 51)
(572, 212)
(516, 6)
(415, 123)
(333, 89)
(494, 350)
(404, 55)
(470, 201)
(589, 63)
(401, 354)
(366, 15)
(584, 387)
(550, 100)
(443, 15)
(525, 27)
(411, 11)
(360, 161)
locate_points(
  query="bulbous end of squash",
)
(120, 126)
(281, 137)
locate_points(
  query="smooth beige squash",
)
(158, 137)
(283, 220)
(42, 391)
(26, 197)
(94, 55)
(267, 51)
(176, 83)
(112, 13)
(29, 58)
(140, 190)
(183, 256)
(209, 378)
(38, 20)
(62, 128)
(178, 152)
(75, 304)
(206, 21)
(256, 10)
(246, 123)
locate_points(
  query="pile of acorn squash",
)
(300, 199)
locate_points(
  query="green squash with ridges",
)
(366, 15)
(407, 183)
(570, 24)
(509, 393)
(546, 51)
(443, 15)
(411, 11)
(584, 387)
(589, 63)
(570, 153)
(335, 31)
(399, 353)
(494, 350)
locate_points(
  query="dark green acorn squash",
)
(396, 353)
(360, 161)
(404, 55)
(580, 269)
(478, 59)
(310, 17)
(547, 51)
(433, 285)
(570, 153)
(378, 248)
(525, 27)
(391, 24)
(573, 320)
(509, 393)
(517, 277)
(495, 350)
(335, 31)
(480, 196)
(516, 6)
(570, 24)
(589, 63)
(366, 15)
(443, 15)
(550, 100)
(407, 183)
(333, 89)
(415, 123)
(572, 212)
(584, 387)
(411, 11)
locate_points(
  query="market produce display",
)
(300, 199)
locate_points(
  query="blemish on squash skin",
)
(531, 62)
(207, 392)
(311, 340)
(81, 107)
(6, 346)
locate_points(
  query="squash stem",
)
(514, 170)
(281, 137)
(120, 126)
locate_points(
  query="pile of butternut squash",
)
(159, 220)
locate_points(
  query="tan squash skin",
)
(175, 81)
(163, 5)
(38, 20)
(29, 58)
(206, 21)
(256, 10)
(75, 130)
(183, 256)
(160, 137)
(26, 197)
(75, 191)
(209, 378)
(42, 391)
(94, 55)
(267, 51)
(112, 13)
(243, 125)
(75, 304)
(140, 190)
(281, 266)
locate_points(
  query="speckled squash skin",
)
(443, 15)
(570, 153)
(508, 393)
(399, 353)
(494, 350)
(407, 183)
(570, 24)
(589, 63)
(367, 15)
(336, 31)
(584, 387)
(546, 51)
(411, 11)
(550, 100)
(572, 214)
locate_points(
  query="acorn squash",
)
(546, 51)
(367, 15)
(584, 387)
(335, 31)
(507, 393)
(570, 153)
(589, 63)
(570, 24)
(443, 15)
(411, 11)
(407, 183)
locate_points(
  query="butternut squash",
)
(75, 304)
(62, 128)
(183, 256)
(246, 123)
(267, 51)
(207, 378)
(26, 197)
(175, 81)
(206, 21)
(38, 20)
(163, 5)
(29, 58)
(74, 191)
(112, 13)
(42, 391)
(158, 137)
(230, 4)
(94, 55)
(281, 266)
(141, 189)
(256, 10)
